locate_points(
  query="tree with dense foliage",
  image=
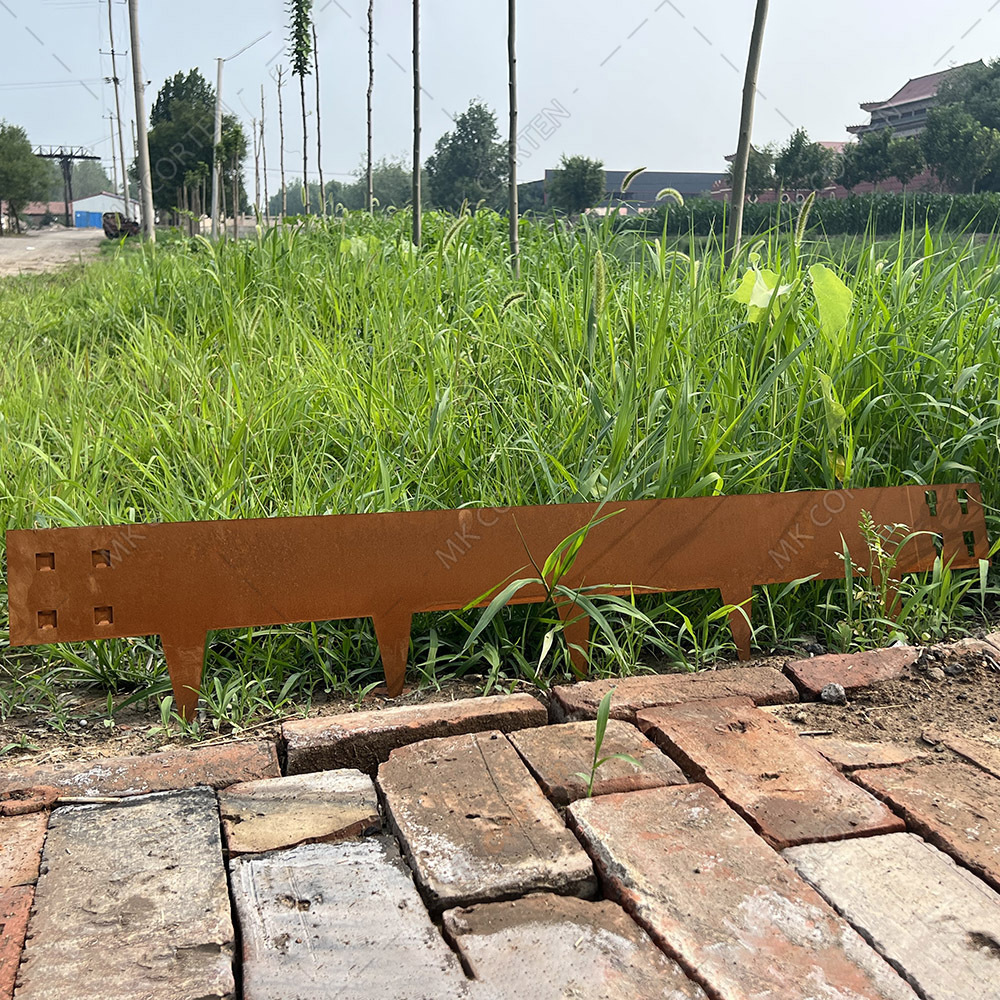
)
(468, 162)
(976, 90)
(23, 176)
(959, 149)
(391, 183)
(89, 178)
(906, 158)
(848, 167)
(874, 162)
(577, 184)
(182, 126)
(801, 164)
(300, 46)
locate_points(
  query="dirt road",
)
(47, 250)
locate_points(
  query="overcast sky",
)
(652, 83)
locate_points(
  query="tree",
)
(182, 125)
(849, 171)
(958, 148)
(299, 51)
(468, 163)
(734, 235)
(804, 164)
(89, 178)
(873, 159)
(906, 158)
(319, 132)
(578, 184)
(512, 209)
(417, 170)
(976, 90)
(370, 166)
(23, 176)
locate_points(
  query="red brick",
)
(557, 755)
(852, 671)
(475, 826)
(363, 740)
(169, 770)
(21, 839)
(954, 806)
(715, 897)
(15, 906)
(783, 787)
(763, 685)
(850, 756)
(554, 947)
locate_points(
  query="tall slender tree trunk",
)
(734, 236)
(319, 136)
(263, 155)
(417, 207)
(281, 133)
(369, 173)
(256, 170)
(305, 147)
(512, 208)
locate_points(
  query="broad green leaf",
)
(835, 413)
(757, 290)
(834, 299)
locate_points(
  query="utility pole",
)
(217, 135)
(66, 155)
(118, 112)
(145, 175)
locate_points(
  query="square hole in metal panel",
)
(969, 537)
(104, 616)
(46, 620)
(930, 498)
(963, 500)
(45, 561)
(101, 558)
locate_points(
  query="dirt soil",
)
(87, 735)
(48, 249)
(955, 691)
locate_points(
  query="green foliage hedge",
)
(871, 214)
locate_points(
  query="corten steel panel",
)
(184, 580)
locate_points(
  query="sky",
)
(653, 83)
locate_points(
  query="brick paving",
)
(770, 775)
(449, 850)
(852, 671)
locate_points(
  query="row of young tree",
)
(960, 146)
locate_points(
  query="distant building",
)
(646, 186)
(906, 111)
(87, 212)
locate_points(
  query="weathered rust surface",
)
(182, 581)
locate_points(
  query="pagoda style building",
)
(906, 111)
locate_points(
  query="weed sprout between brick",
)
(335, 368)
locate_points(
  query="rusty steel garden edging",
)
(182, 581)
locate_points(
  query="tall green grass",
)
(336, 369)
